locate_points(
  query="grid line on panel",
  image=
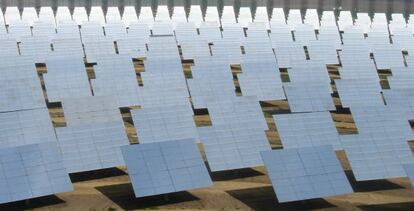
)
(379, 155)
(387, 119)
(120, 84)
(305, 173)
(25, 127)
(165, 167)
(309, 97)
(95, 146)
(32, 171)
(89, 110)
(66, 77)
(233, 146)
(157, 124)
(354, 92)
(265, 85)
(307, 130)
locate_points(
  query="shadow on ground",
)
(264, 198)
(123, 196)
(391, 206)
(234, 174)
(368, 186)
(96, 174)
(32, 203)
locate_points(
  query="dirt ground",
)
(244, 189)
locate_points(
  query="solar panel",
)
(286, 52)
(9, 47)
(162, 13)
(262, 16)
(136, 48)
(359, 68)
(37, 48)
(304, 33)
(359, 92)
(233, 146)
(194, 49)
(345, 20)
(90, 111)
(278, 16)
(139, 30)
(228, 50)
(377, 156)
(29, 15)
(115, 29)
(80, 15)
(179, 15)
(233, 32)
(46, 15)
(18, 29)
(387, 56)
(165, 167)
(236, 110)
(32, 171)
(245, 16)
(162, 28)
(91, 29)
(164, 123)
(68, 46)
(265, 85)
(281, 33)
(330, 34)
(258, 66)
(67, 29)
(309, 71)
(98, 47)
(312, 18)
(308, 97)
(228, 16)
(258, 31)
(401, 78)
(21, 93)
(163, 88)
(113, 15)
(87, 147)
(352, 33)
(129, 16)
(204, 86)
(96, 15)
(363, 20)
(121, 84)
(404, 40)
(307, 130)
(387, 119)
(185, 31)
(25, 127)
(146, 16)
(212, 15)
(294, 18)
(195, 15)
(401, 98)
(12, 15)
(328, 19)
(63, 15)
(323, 50)
(210, 31)
(409, 170)
(66, 77)
(305, 173)
(44, 29)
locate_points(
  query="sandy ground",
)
(245, 189)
